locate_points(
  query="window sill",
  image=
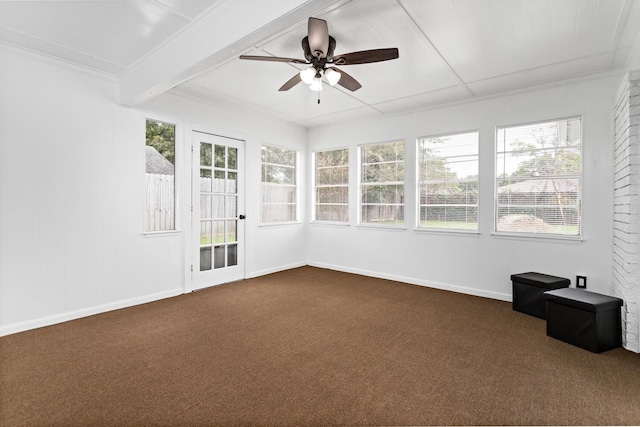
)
(279, 224)
(330, 224)
(382, 227)
(451, 232)
(571, 240)
(162, 233)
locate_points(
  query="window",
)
(382, 183)
(279, 191)
(160, 209)
(448, 181)
(538, 178)
(332, 185)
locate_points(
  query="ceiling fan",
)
(318, 47)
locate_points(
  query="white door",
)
(218, 210)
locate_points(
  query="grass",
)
(204, 241)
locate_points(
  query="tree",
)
(435, 168)
(162, 137)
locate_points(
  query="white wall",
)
(72, 194)
(72, 186)
(478, 264)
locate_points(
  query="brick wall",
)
(626, 248)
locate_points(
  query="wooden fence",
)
(159, 207)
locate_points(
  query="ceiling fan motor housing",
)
(314, 46)
(316, 56)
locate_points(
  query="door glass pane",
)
(232, 182)
(218, 182)
(232, 206)
(231, 231)
(232, 255)
(218, 235)
(218, 207)
(218, 257)
(205, 232)
(205, 259)
(205, 206)
(232, 158)
(205, 180)
(220, 157)
(205, 154)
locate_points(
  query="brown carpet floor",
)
(311, 346)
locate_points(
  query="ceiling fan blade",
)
(366, 56)
(346, 80)
(273, 59)
(291, 83)
(318, 31)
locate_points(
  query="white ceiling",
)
(450, 50)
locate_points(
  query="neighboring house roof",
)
(562, 185)
(157, 164)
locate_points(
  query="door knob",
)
(242, 217)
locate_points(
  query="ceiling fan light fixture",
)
(316, 84)
(307, 75)
(333, 77)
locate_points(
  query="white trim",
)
(539, 238)
(419, 282)
(275, 269)
(279, 224)
(371, 226)
(447, 231)
(85, 312)
(162, 233)
(329, 223)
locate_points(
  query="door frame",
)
(188, 174)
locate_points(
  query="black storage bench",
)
(528, 289)
(584, 319)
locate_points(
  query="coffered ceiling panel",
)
(117, 33)
(486, 38)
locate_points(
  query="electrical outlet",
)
(581, 282)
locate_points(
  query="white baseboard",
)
(275, 269)
(85, 312)
(419, 282)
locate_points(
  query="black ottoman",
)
(584, 319)
(528, 289)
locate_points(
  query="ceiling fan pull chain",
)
(318, 97)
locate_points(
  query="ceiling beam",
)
(226, 30)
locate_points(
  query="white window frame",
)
(177, 171)
(401, 224)
(578, 178)
(316, 186)
(296, 186)
(469, 155)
